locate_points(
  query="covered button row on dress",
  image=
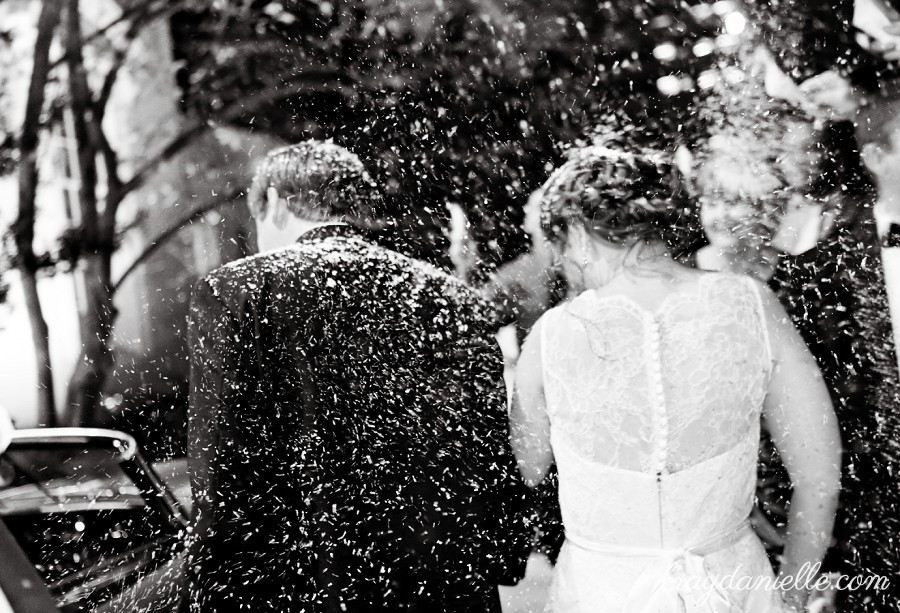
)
(659, 401)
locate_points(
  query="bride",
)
(647, 390)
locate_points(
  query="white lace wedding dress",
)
(655, 429)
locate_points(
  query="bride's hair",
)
(622, 197)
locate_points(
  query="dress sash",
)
(674, 574)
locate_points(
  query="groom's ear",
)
(277, 208)
(271, 204)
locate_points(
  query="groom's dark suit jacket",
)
(348, 436)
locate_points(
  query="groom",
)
(348, 433)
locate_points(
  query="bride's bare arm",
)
(529, 425)
(801, 420)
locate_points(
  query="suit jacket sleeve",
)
(210, 335)
(507, 498)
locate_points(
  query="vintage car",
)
(100, 525)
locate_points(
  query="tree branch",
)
(23, 229)
(114, 185)
(95, 319)
(114, 192)
(250, 104)
(134, 12)
(160, 239)
(80, 102)
(121, 53)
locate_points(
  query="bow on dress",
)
(677, 575)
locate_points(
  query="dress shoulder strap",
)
(763, 323)
(547, 321)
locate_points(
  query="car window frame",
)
(155, 493)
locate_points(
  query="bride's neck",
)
(642, 260)
(648, 256)
(645, 259)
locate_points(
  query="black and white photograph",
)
(449, 306)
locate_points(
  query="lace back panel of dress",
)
(656, 391)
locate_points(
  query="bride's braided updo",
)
(621, 197)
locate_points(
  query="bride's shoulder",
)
(750, 284)
(727, 282)
(547, 320)
(755, 293)
(542, 322)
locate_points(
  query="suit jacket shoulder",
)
(245, 279)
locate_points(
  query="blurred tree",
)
(69, 95)
(25, 259)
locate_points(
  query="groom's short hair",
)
(316, 181)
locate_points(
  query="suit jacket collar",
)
(322, 232)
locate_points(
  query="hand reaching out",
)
(888, 50)
(880, 23)
(831, 96)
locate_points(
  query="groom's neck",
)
(303, 226)
(270, 237)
